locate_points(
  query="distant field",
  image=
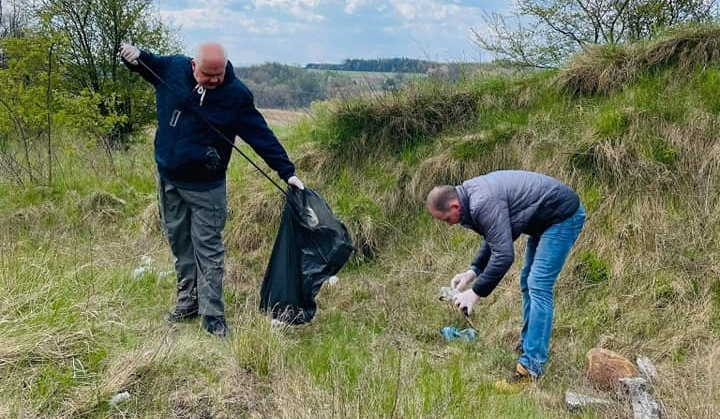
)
(281, 117)
(370, 74)
(374, 79)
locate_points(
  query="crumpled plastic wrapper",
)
(447, 293)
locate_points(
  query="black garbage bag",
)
(312, 245)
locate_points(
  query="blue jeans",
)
(544, 258)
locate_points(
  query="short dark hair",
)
(440, 197)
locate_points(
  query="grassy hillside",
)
(633, 129)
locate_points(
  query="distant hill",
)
(282, 86)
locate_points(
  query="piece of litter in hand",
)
(447, 293)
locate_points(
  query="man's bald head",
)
(210, 53)
(209, 65)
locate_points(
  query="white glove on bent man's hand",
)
(465, 301)
(296, 182)
(460, 281)
(130, 53)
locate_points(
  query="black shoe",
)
(215, 325)
(182, 314)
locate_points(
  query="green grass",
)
(77, 327)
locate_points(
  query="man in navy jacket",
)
(501, 206)
(195, 98)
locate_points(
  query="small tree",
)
(543, 33)
(94, 30)
(33, 103)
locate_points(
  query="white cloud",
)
(352, 5)
(224, 21)
(426, 9)
(286, 4)
(203, 18)
(301, 9)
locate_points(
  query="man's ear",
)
(455, 204)
(192, 63)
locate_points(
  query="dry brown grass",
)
(605, 69)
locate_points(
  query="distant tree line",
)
(283, 86)
(386, 65)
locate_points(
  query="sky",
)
(298, 32)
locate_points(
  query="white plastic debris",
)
(119, 398)
(447, 293)
(146, 267)
(276, 323)
(332, 280)
(140, 271)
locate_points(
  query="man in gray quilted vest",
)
(501, 206)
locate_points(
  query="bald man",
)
(192, 160)
(501, 206)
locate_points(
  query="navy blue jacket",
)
(184, 143)
(503, 205)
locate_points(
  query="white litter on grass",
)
(119, 398)
(278, 323)
(146, 267)
(140, 271)
(332, 280)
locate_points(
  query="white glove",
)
(296, 182)
(460, 281)
(130, 53)
(465, 301)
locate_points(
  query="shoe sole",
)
(184, 318)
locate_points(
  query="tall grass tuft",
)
(606, 69)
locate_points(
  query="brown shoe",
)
(519, 379)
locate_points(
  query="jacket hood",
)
(229, 74)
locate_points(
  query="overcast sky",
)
(304, 31)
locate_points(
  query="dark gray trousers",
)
(193, 223)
